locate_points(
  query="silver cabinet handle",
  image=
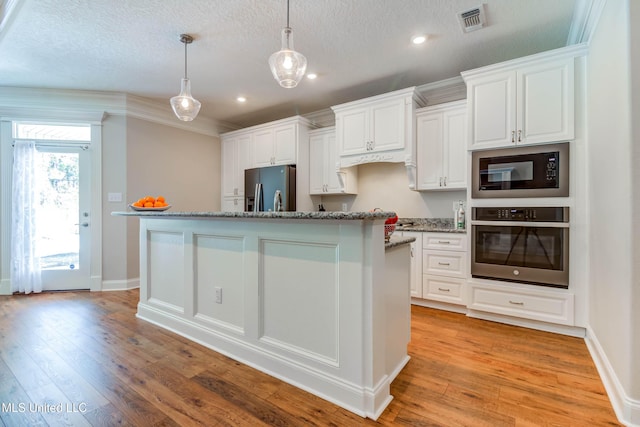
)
(444, 290)
(520, 135)
(412, 253)
(443, 263)
(84, 224)
(440, 182)
(444, 242)
(513, 136)
(445, 181)
(516, 302)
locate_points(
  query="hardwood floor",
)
(80, 358)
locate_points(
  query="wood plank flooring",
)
(80, 358)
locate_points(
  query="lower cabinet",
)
(232, 204)
(536, 304)
(444, 289)
(444, 267)
(416, 263)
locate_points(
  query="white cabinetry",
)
(416, 263)
(378, 129)
(324, 176)
(275, 145)
(519, 301)
(525, 101)
(236, 156)
(283, 142)
(442, 146)
(444, 267)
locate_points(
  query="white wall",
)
(182, 166)
(114, 179)
(386, 186)
(613, 195)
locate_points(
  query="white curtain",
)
(25, 265)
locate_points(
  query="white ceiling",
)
(359, 48)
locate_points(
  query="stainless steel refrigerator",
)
(271, 188)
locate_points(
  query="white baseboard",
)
(120, 285)
(439, 305)
(627, 410)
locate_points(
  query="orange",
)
(160, 199)
(150, 199)
(148, 205)
(159, 204)
(138, 204)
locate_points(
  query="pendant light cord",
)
(287, 13)
(185, 59)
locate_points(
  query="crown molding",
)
(443, 91)
(586, 15)
(93, 106)
(573, 51)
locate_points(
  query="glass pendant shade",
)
(184, 105)
(287, 65)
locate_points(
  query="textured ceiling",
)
(359, 48)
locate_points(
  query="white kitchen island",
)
(316, 299)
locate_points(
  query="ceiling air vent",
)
(472, 19)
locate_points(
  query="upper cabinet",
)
(236, 157)
(378, 129)
(325, 177)
(282, 142)
(522, 102)
(275, 145)
(442, 146)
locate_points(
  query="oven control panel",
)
(531, 214)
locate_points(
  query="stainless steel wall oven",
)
(527, 245)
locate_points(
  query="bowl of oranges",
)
(149, 203)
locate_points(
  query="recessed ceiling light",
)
(312, 76)
(418, 39)
(241, 99)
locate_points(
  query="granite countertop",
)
(397, 241)
(262, 215)
(428, 225)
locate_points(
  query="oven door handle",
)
(521, 224)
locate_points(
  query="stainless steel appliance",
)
(271, 188)
(535, 171)
(528, 245)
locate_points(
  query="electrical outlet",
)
(114, 197)
(344, 207)
(218, 297)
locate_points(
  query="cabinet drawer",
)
(445, 289)
(445, 241)
(540, 305)
(446, 263)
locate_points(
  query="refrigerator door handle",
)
(257, 196)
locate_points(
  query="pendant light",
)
(184, 105)
(287, 65)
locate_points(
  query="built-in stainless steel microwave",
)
(533, 171)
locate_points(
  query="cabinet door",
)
(388, 125)
(546, 102)
(229, 158)
(492, 110)
(244, 156)
(232, 204)
(331, 159)
(415, 264)
(455, 149)
(353, 130)
(429, 149)
(284, 148)
(317, 164)
(263, 148)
